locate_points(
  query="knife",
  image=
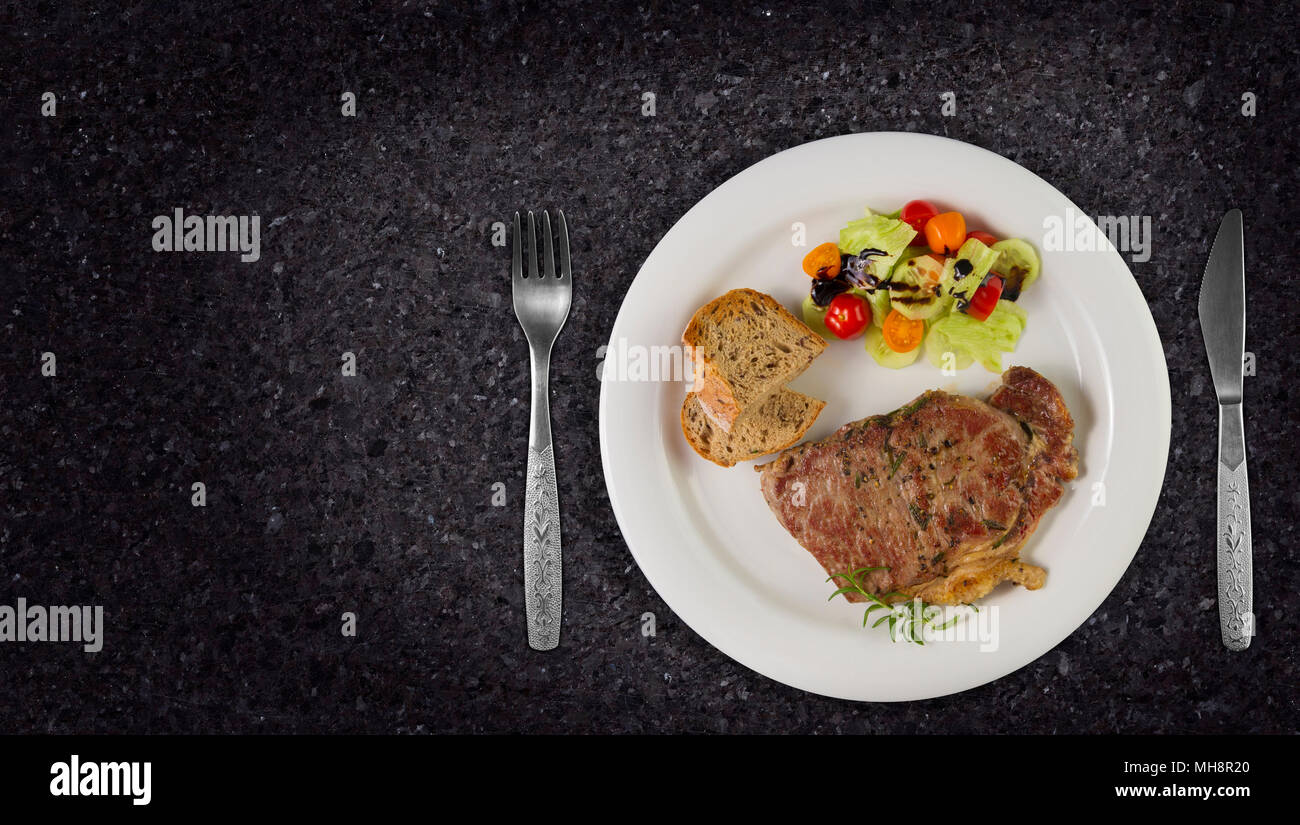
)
(1222, 310)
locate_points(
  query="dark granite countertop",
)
(372, 494)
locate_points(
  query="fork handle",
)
(542, 571)
(1232, 536)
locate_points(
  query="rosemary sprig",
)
(895, 460)
(918, 515)
(923, 615)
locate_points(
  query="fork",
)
(541, 305)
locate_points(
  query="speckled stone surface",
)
(373, 493)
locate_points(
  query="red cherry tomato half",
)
(985, 298)
(917, 213)
(983, 237)
(847, 316)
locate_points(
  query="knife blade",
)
(1222, 312)
(1222, 308)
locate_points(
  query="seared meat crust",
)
(943, 492)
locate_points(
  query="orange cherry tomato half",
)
(901, 333)
(847, 316)
(945, 232)
(983, 237)
(823, 261)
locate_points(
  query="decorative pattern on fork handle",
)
(542, 588)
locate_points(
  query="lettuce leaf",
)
(981, 259)
(984, 341)
(890, 235)
(937, 346)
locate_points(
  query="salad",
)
(918, 279)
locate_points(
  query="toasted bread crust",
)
(718, 397)
(705, 450)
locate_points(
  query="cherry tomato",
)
(823, 261)
(945, 232)
(983, 237)
(917, 213)
(847, 316)
(901, 333)
(985, 298)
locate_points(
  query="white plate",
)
(703, 535)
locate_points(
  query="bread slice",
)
(775, 424)
(746, 346)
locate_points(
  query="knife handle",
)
(1232, 534)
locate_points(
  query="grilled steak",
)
(943, 492)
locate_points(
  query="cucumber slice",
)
(916, 290)
(815, 317)
(921, 249)
(940, 352)
(1018, 264)
(908, 254)
(884, 356)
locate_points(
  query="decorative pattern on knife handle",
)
(542, 566)
(1236, 619)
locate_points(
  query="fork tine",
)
(532, 246)
(548, 250)
(516, 256)
(564, 244)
